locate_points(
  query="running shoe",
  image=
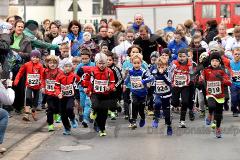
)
(113, 115)
(169, 131)
(191, 115)
(74, 123)
(155, 123)
(85, 125)
(208, 121)
(213, 125)
(50, 128)
(66, 132)
(182, 124)
(142, 123)
(218, 133)
(93, 115)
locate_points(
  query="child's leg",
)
(133, 109)
(175, 96)
(29, 98)
(185, 102)
(50, 110)
(35, 98)
(127, 101)
(218, 116)
(69, 107)
(141, 108)
(212, 107)
(64, 116)
(234, 99)
(86, 110)
(166, 110)
(102, 114)
(157, 106)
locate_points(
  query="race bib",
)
(236, 74)
(214, 87)
(161, 87)
(180, 80)
(100, 85)
(67, 90)
(134, 82)
(50, 84)
(33, 79)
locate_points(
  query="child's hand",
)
(60, 96)
(124, 88)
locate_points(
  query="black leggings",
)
(185, 93)
(66, 110)
(216, 109)
(137, 107)
(100, 104)
(32, 97)
(53, 108)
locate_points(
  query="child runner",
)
(181, 70)
(116, 95)
(138, 79)
(85, 101)
(34, 72)
(65, 92)
(162, 94)
(235, 88)
(215, 78)
(127, 65)
(101, 87)
(48, 85)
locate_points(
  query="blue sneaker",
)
(169, 131)
(95, 127)
(155, 123)
(142, 123)
(74, 123)
(208, 121)
(66, 132)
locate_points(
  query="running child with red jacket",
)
(33, 71)
(48, 87)
(65, 91)
(101, 84)
(215, 79)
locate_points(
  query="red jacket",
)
(34, 72)
(214, 84)
(181, 74)
(49, 80)
(99, 80)
(64, 84)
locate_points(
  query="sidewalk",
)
(18, 130)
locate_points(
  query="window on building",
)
(96, 7)
(37, 2)
(209, 11)
(225, 11)
(108, 8)
(237, 9)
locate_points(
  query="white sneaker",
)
(182, 124)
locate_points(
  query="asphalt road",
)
(197, 142)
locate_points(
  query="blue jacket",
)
(127, 65)
(236, 71)
(169, 29)
(139, 75)
(75, 51)
(78, 70)
(174, 47)
(162, 83)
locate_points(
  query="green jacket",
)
(38, 43)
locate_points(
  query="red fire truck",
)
(157, 14)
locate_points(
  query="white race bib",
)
(67, 90)
(100, 85)
(33, 79)
(134, 80)
(214, 87)
(161, 87)
(180, 80)
(236, 74)
(50, 84)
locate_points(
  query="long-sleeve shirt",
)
(136, 76)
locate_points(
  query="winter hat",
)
(5, 27)
(31, 25)
(215, 55)
(154, 54)
(214, 46)
(35, 53)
